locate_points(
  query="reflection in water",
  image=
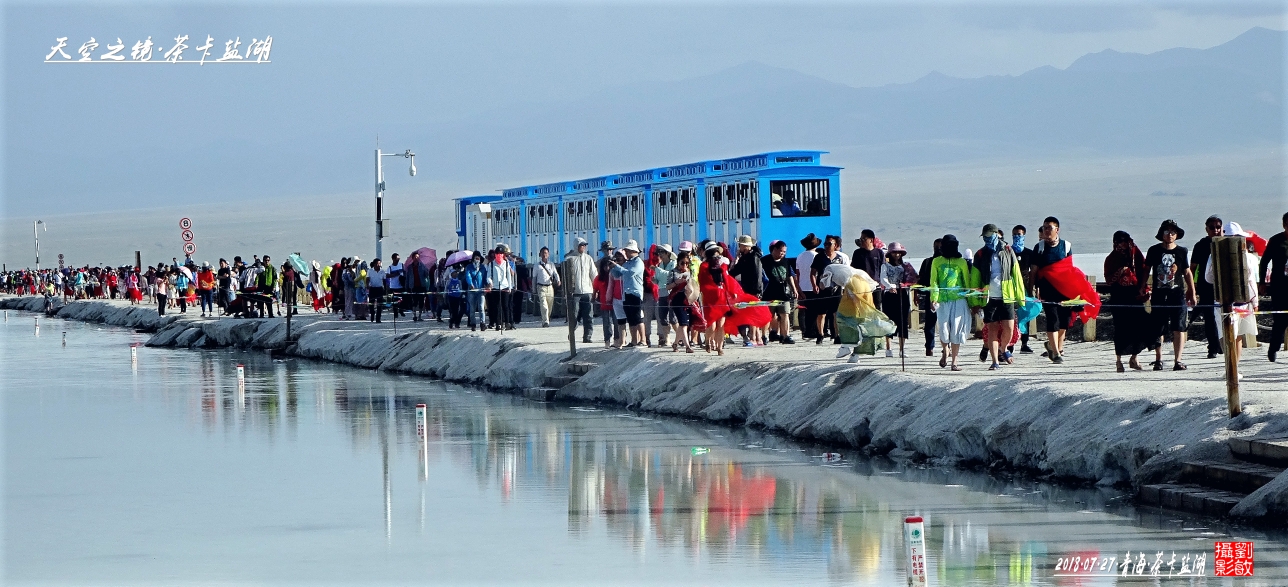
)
(637, 480)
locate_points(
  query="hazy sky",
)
(113, 136)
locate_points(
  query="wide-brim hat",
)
(895, 247)
(632, 246)
(581, 241)
(810, 241)
(666, 248)
(746, 240)
(712, 245)
(1170, 224)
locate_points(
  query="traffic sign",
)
(189, 248)
(185, 223)
(187, 236)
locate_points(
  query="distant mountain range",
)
(1108, 103)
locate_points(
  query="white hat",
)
(666, 248)
(1233, 229)
(581, 241)
(747, 240)
(631, 245)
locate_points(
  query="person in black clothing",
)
(1276, 260)
(1027, 258)
(1172, 293)
(779, 271)
(1206, 308)
(923, 300)
(224, 281)
(869, 258)
(747, 269)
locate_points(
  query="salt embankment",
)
(1079, 421)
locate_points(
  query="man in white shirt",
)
(803, 285)
(546, 276)
(581, 274)
(395, 287)
(376, 278)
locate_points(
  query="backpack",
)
(454, 286)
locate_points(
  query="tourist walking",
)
(681, 292)
(748, 269)
(1125, 271)
(896, 278)
(869, 258)
(160, 290)
(949, 282)
(349, 281)
(1026, 257)
(475, 284)
(376, 280)
(1273, 270)
(997, 270)
(659, 275)
(1243, 316)
(501, 282)
(546, 278)
(713, 279)
(780, 289)
(825, 300)
(1171, 291)
(631, 274)
(1200, 256)
(805, 285)
(581, 279)
(928, 317)
(395, 286)
(1048, 251)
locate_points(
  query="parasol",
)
(186, 272)
(460, 257)
(298, 263)
(428, 258)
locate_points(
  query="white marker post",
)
(64, 338)
(134, 355)
(37, 325)
(422, 437)
(420, 420)
(241, 375)
(914, 537)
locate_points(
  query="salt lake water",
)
(165, 471)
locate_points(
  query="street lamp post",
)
(36, 233)
(380, 191)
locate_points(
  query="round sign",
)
(60, 256)
(185, 223)
(189, 248)
(187, 236)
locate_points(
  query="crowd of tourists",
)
(708, 294)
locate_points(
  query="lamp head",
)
(412, 169)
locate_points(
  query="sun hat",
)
(606, 246)
(990, 229)
(746, 240)
(632, 246)
(810, 241)
(1170, 224)
(895, 247)
(686, 246)
(581, 241)
(666, 248)
(1233, 229)
(711, 245)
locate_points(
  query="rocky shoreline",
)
(1082, 427)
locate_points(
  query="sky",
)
(87, 138)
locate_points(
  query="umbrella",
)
(298, 263)
(186, 272)
(460, 257)
(428, 257)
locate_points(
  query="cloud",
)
(1057, 18)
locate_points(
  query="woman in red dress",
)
(714, 280)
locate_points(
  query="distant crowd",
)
(709, 294)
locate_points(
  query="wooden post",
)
(1089, 327)
(569, 310)
(1228, 267)
(1231, 365)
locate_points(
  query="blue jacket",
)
(474, 276)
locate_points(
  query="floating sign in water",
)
(64, 338)
(420, 420)
(699, 450)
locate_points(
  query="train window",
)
(804, 197)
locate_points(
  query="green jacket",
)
(268, 277)
(1012, 280)
(949, 279)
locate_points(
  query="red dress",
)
(720, 301)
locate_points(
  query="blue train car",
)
(782, 195)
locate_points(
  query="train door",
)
(581, 220)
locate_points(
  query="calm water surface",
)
(165, 472)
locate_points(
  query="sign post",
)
(569, 309)
(914, 538)
(1229, 262)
